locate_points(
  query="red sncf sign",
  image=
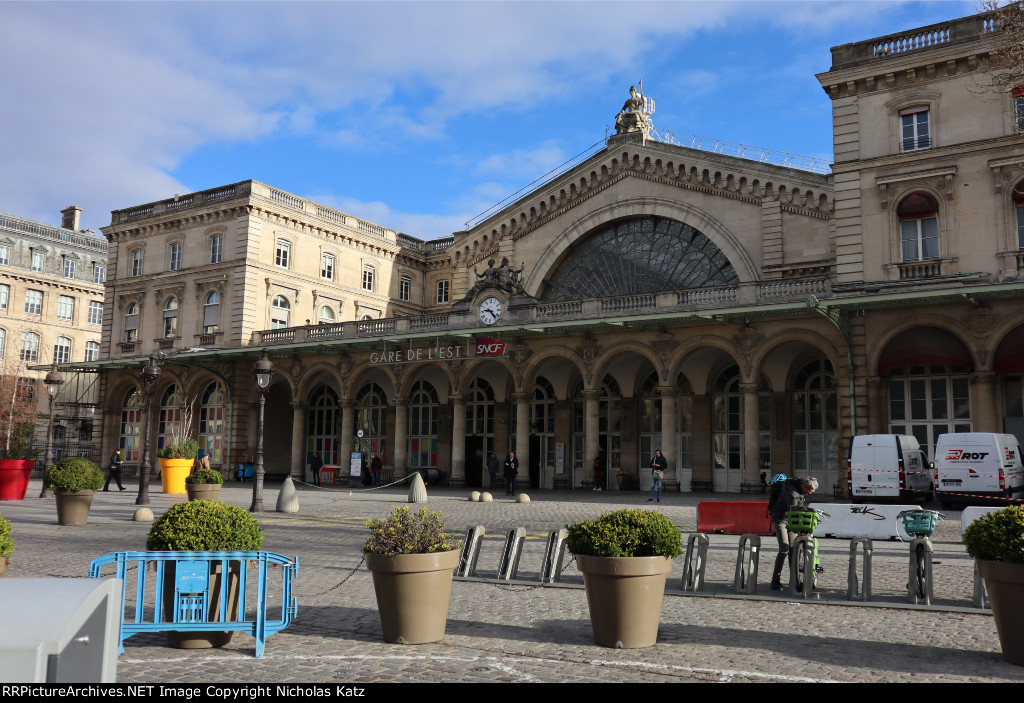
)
(487, 346)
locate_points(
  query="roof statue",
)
(502, 277)
(635, 115)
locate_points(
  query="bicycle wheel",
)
(801, 562)
(921, 580)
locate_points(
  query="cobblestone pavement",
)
(522, 632)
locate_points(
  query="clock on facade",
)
(490, 310)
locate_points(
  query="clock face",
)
(490, 311)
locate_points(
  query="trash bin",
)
(60, 630)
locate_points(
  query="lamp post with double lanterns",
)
(263, 372)
(150, 375)
(54, 380)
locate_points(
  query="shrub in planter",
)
(625, 557)
(185, 449)
(205, 526)
(203, 484)
(6, 544)
(996, 541)
(74, 481)
(411, 558)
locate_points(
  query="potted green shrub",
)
(205, 526)
(411, 558)
(6, 545)
(996, 541)
(204, 484)
(179, 453)
(625, 557)
(74, 482)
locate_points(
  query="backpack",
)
(776, 491)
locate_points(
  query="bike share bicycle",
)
(802, 522)
(920, 524)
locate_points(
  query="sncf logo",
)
(959, 454)
(488, 346)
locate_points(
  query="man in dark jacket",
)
(794, 492)
(511, 471)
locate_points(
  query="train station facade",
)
(745, 312)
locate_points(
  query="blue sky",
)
(417, 116)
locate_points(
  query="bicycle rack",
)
(693, 574)
(805, 544)
(980, 595)
(745, 578)
(852, 592)
(554, 554)
(470, 552)
(508, 567)
(916, 590)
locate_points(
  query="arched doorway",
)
(816, 423)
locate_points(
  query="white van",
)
(972, 468)
(887, 467)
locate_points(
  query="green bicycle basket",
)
(919, 523)
(802, 521)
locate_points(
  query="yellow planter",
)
(173, 473)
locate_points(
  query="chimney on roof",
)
(70, 217)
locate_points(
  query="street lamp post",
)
(54, 380)
(263, 371)
(150, 375)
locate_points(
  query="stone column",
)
(399, 457)
(458, 477)
(591, 433)
(347, 435)
(298, 468)
(668, 434)
(984, 417)
(522, 401)
(878, 415)
(751, 438)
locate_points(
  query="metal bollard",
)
(745, 579)
(509, 565)
(852, 592)
(470, 551)
(919, 585)
(693, 574)
(980, 595)
(802, 551)
(554, 554)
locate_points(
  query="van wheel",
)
(946, 505)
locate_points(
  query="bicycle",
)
(802, 522)
(917, 524)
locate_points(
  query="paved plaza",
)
(522, 632)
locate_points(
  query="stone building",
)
(51, 310)
(745, 311)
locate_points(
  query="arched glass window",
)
(211, 422)
(62, 350)
(816, 423)
(169, 419)
(326, 314)
(609, 426)
(129, 429)
(919, 227)
(727, 426)
(29, 346)
(171, 317)
(211, 312)
(131, 323)
(926, 401)
(322, 426)
(372, 419)
(280, 310)
(423, 426)
(542, 419)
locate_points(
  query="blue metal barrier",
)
(186, 585)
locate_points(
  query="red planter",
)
(14, 475)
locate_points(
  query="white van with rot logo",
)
(973, 468)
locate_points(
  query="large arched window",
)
(211, 422)
(727, 426)
(919, 227)
(29, 346)
(322, 426)
(169, 421)
(372, 419)
(542, 419)
(608, 426)
(816, 423)
(423, 426)
(128, 431)
(280, 311)
(926, 401)
(639, 255)
(62, 350)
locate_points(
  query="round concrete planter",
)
(173, 473)
(624, 595)
(203, 491)
(413, 591)
(1005, 584)
(73, 506)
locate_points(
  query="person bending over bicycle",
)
(794, 492)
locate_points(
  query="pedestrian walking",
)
(511, 471)
(315, 466)
(659, 465)
(114, 471)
